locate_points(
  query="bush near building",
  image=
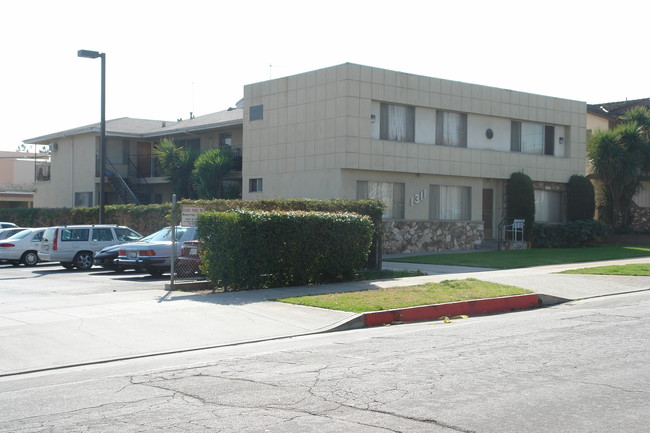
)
(581, 199)
(254, 250)
(571, 234)
(520, 201)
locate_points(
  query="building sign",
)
(189, 215)
(418, 198)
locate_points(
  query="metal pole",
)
(102, 143)
(173, 267)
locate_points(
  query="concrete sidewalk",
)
(57, 331)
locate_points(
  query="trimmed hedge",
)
(143, 219)
(254, 250)
(580, 200)
(520, 201)
(572, 234)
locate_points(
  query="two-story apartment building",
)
(436, 152)
(132, 175)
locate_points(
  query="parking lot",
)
(49, 279)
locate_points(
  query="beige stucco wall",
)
(72, 170)
(321, 120)
(597, 123)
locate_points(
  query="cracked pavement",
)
(578, 367)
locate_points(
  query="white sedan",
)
(153, 253)
(22, 247)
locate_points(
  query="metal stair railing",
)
(120, 185)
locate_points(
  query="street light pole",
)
(102, 134)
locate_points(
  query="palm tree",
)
(177, 164)
(620, 158)
(210, 169)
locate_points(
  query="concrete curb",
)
(470, 308)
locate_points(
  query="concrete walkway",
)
(53, 332)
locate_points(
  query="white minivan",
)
(75, 246)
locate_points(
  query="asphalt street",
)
(575, 367)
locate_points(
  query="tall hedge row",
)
(251, 250)
(143, 219)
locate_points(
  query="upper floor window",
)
(532, 138)
(450, 202)
(451, 129)
(389, 193)
(397, 123)
(225, 139)
(256, 112)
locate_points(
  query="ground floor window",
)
(83, 199)
(389, 193)
(450, 202)
(548, 206)
(255, 185)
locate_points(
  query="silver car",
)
(153, 253)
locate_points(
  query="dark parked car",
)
(189, 261)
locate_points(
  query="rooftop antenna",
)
(270, 72)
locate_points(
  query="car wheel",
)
(83, 260)
(29, 258)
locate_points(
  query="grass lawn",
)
(401, 297)
(532, 257)
(632, 270)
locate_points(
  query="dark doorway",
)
(488, 213)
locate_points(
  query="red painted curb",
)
(470, 308)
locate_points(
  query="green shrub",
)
(372, 208)
(252, 250)
(520, 201)
(144, 219)
(581, 200)
(569, 235)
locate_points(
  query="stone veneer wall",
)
(640, 218)
(421, 236)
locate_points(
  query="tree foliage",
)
(520, 200)
(177, 164)
(620, 158)
(210, 170)
(581, 201)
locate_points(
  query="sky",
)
(165, 59)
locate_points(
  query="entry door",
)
(488, 213)
(144, 159)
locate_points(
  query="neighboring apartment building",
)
(436, 152)
(132, 175)
(18, 170)
(606, 116)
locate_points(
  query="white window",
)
(548, 206)
(255, 185)
(391, 194)
(532, 138)
(397, 123)
(451, 129)
(450, 203)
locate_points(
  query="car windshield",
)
(182, 233)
